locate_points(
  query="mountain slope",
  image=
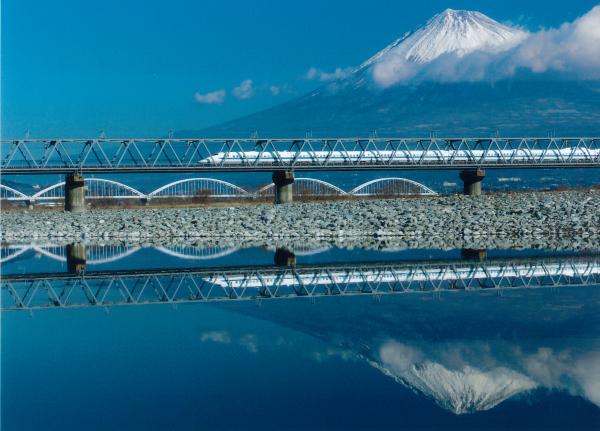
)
(510, 108)
(396, 92)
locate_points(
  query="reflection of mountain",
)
(467, 352)
(463, 390)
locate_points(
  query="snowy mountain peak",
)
(451, 31)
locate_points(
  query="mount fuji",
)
(431, 79)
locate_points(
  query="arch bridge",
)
(283, 157)
(211, 188)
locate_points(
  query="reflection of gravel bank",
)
(540, 220)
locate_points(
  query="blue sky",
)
(142, 68)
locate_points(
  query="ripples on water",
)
(363, 339)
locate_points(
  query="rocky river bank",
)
(557, 220)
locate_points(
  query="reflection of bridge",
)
(97, 255)
(100, 188)
(100, 288)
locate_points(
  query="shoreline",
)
(556, 220)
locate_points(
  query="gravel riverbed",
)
(556, 220)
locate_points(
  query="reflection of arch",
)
(305, 251)
(306, 186)
(53, 252)
(9, 253)
(98, 255)
(191, 186)
(186, 252)
(391, 186)
(10, 194)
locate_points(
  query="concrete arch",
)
(238, 189)
(19, 196)
(134, 192)
(264, 190)
(40, 195)
(422, 189)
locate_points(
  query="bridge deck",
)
(214, 155)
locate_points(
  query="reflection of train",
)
(433, 274)
(403, 156)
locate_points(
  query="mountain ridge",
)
(381, 95)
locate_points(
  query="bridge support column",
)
(74, 193)
(76, 258)
(473, 254)
(472, 181)
(284, 257)
(283, 181)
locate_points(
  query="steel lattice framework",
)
(250, 283)
(187, 155)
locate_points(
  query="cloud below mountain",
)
(317, 74)
(212, 98)
(482, 49)
(245, 90)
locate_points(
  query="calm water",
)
(446, 354)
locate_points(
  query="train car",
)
(399, 156)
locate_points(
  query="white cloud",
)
(213, 98)
(323, 76)
(244, 90)
(572, 50)
(331, 353)
(311, 73)
(216, 337)
(249, 342)
(275, 90)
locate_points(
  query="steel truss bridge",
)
(100, 188)
(107, 288)
(211, 155)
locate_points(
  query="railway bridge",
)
(284, 157)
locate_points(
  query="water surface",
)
(474, 353)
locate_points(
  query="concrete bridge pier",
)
(472, 179)
(284, 257)
(76, 258)
(473, 254)
(74, 193)
(283, 181)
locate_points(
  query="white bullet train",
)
(570, 154)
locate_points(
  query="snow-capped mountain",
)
(459, 75)
(452, 31)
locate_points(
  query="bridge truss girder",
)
(185, 286)
(184, 155)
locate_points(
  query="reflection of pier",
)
(103, 288)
